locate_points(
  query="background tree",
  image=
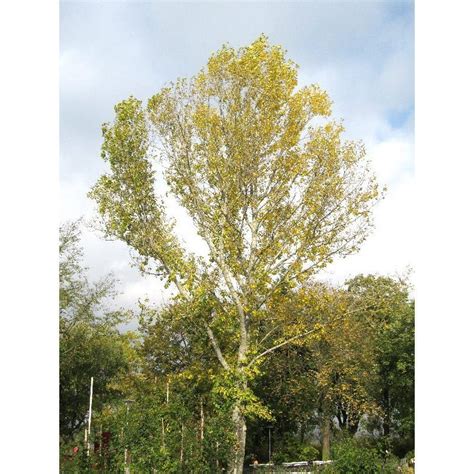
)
(274, 196)
(317, 380)
(285, 386)
(175, 423)
(345, 368)
(392, 321)
(89, 341)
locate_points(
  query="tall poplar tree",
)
(272, 188)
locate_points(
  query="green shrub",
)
(353, 458)
(292, 449)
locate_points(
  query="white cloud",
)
(392, 160)
(76, 70)
(390, 247)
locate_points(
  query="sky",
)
(360, 52)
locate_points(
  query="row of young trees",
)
(161, 395)
(275, 194)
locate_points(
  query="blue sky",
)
(361, 52)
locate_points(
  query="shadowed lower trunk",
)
(387, 414)
(326, 431)
(236, 462)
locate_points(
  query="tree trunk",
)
(326, 429)
(387, 415)
(201, 436)
(236, 462)
(181, 451)
(353, 426)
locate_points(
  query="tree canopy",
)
(90, 344)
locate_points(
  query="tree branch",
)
(216, 347)
(284, 343)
